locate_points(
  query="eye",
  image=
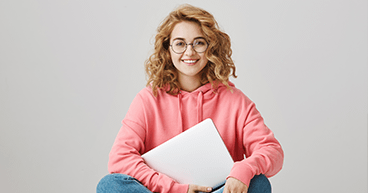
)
(200, 42)
(179, 43)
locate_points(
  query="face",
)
(189, 63)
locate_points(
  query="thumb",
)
(204, 189)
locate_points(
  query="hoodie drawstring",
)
(180, 115)
(200, 107)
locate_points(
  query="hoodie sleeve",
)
(125, 155)
(263, 152)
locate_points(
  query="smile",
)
(190, 61)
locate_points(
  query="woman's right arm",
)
(125, 155)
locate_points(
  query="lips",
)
(189, 61)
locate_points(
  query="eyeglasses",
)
(179, 46)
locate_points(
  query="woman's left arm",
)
(264, 154)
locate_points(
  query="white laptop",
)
(196, 156)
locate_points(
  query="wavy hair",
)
(161, 72)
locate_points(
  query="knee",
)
(259, 184)
(112, 181)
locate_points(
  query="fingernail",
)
(209, 189)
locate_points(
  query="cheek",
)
(175, 58)
(204, 59)
(172, 55)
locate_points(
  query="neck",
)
(189, 84)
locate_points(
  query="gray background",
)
(70, 69)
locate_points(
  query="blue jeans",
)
(121, 183)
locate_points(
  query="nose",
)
(190, 50)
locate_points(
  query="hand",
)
(233, 185)
(195, 188)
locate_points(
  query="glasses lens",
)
(200, 45)
(178, 46)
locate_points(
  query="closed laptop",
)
(196, 156)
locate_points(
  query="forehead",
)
(186, 30)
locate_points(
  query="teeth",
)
(190, 61)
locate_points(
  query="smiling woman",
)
(189, 23)
(188, 82)
(189, 62)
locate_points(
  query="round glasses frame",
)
(186, 46)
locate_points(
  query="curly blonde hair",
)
(160, 70)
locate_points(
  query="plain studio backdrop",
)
(70, 69)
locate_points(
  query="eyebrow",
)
(179, 38)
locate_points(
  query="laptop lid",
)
(196, 156)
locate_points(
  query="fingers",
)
(204, 189)
(233, 185)
(195, 188)
(226, 189)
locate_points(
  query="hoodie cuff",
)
(242, 172)
(180, 188)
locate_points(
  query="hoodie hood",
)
(205, 92)
(207, 88)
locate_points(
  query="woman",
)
(188, 81)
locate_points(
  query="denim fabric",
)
(121, 183)
(259, 184)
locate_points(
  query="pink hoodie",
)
(151, 121)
